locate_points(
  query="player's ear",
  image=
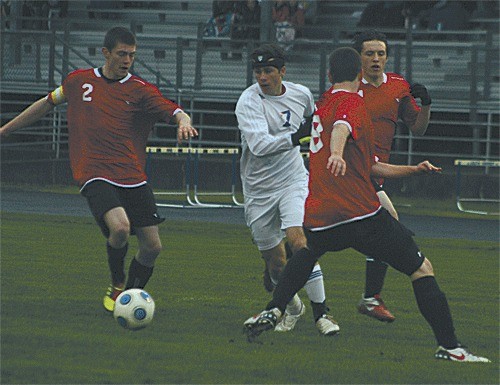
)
(105, 52)
(283, 71)
(330, 78)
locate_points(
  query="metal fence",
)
(462, 77)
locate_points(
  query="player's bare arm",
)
(184, 131)
(32, 114)
(422, 122)
(336, 163)
(386, 170)
(419, 91)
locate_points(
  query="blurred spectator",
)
(5, 12)
(282, 19)
(246, 20)
(57, 8)
(219, 25)
(245, 25)
(486, 9)
(485, 16)
(417, 13)
(311, 10)
(383, 14)
(298, 16)
(448, 15)
(27, 11)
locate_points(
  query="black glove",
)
(419, 91)
(303, 134)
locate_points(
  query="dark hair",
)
(345, 64)
(371, 34)
(118, 35)
(268, 55)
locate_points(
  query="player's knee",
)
(424, 270)
(152, 248)
(119, 234)
(148, 253)
(275, 265)
(297, 244)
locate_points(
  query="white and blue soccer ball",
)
(134, 309)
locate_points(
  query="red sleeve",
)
(348, 112)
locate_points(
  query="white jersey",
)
(269, 161)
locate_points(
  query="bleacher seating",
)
(444, 66)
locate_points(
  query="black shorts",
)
(381, 237)
(139, 203)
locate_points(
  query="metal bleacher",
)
(190, 69)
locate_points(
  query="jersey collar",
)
(99, 74)
(364, 81)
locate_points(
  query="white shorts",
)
(269, 217)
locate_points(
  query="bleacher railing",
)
(462, 77)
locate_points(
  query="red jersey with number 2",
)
(334, 200)
(109, 123)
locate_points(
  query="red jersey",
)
(109, 123)
(386, 104)
(335, 200)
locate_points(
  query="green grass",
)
(206, 283)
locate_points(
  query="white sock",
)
(315, 287)
(294, 306)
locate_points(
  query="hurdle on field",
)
(487, 164)
(192, 170)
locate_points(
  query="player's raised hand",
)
(337, 165)
(427, 167)
(420, 91)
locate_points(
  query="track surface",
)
(15, 200)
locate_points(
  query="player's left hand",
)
(185, 132)
(303, 135)
(337, 165)
(420, 91)
(427, 167)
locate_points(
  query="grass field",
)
(206, 283)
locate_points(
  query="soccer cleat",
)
(265, 320)
(288, 321)
(109, 299)
(327, 326)
(374, 307)
(460, 354)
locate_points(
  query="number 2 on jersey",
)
(86, 94)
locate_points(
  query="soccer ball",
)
(134, 309)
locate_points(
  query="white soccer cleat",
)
(327, 326)
(265, 320)
(288, 321)
(460, 354)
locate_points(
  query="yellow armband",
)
(57, 96)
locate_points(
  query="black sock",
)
(375, 275)
(138, 275)
(434, 307)
(292, 278)
(319, 308)
(116, 262)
